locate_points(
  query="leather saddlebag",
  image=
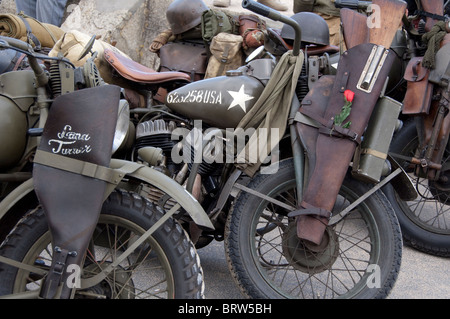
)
(419, 89)
(186, 57)
(69, 175)
(330, 147)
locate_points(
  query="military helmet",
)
(184, 15)
(314, 29)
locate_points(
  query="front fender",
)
(167, 185)
(15, 196)
(137, 171)
(402, 183)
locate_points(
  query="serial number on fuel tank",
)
(196, 96)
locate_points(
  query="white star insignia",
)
(239, 98)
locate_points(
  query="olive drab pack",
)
(226, 54)
(215, 22)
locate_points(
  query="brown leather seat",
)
(137, 72)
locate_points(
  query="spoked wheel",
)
(359, 256)
(166, 266)
(425, 221)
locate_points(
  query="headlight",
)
(123, 123)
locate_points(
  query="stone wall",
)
(130, 25)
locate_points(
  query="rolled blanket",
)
(14, 26)
(433, 40)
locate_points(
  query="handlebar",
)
(19, 45)
(274, 15)
(6, 43)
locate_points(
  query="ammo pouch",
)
(186, 57)
(226, 54)
(215, 22)
(329, 147)
(70, 173)
(419, 89)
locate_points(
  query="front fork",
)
(298, 152)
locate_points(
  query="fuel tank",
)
(17, 94)
(13, 133)
(220, 102)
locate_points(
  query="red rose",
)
(349, 95)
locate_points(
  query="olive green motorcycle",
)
(422, 145)
(70, 230)
(276, 159)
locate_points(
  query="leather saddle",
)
(139, 73)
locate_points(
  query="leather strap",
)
(328, 127)
(30, 34)
(72, 165)
(55, 275)
(308, 209)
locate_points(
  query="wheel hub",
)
(306, 256)
(118, 284)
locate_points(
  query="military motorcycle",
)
(420, 147)
(82, 235)
(266, 150)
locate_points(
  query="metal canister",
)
(370, 162)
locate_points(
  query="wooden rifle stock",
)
(391, 13)
(356, 25)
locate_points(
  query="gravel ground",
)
(421, 276)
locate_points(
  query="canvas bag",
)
(226, 54)
(73, 42)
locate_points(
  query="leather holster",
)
(330, 148)
(75, 146)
